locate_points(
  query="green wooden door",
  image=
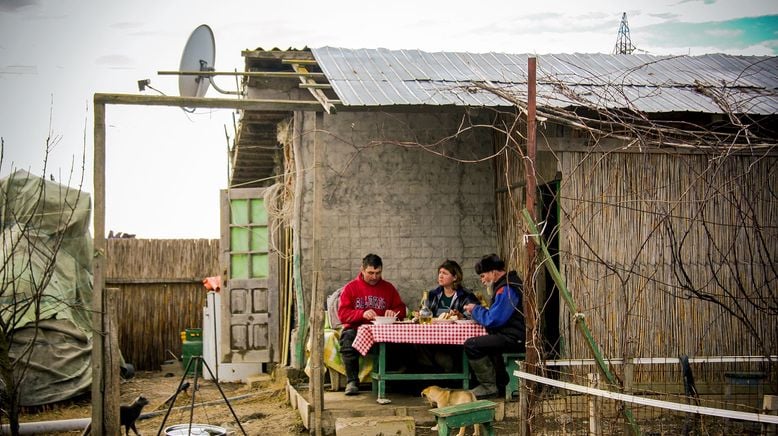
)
(250, 300)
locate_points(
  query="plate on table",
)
(464, 321)
(443, 321)
(384, 320)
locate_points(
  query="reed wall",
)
(641, 231)
(161, 293)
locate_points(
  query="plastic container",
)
(192, 345)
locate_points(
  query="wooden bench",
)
(509, 360)
(462, 415)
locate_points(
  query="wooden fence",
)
(161, 293)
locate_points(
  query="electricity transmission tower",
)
(623, 41)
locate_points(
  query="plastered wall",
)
(403, 187)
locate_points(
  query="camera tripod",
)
(195, 360)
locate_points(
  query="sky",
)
(165, 167)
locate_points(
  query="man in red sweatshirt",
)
(362, 299)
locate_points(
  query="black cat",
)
(127, 416)
(129, 413)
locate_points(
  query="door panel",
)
(250, 303)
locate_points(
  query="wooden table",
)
(410, 333)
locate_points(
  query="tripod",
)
(195, 360)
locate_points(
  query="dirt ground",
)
(262, 410)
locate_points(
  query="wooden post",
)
(112, 360)
(317, 348)
(594, 406)
(530, 299)
(524, 429)
(769, 407)
(629, 375)
(302, 319)
(317, 297)
(105, 384)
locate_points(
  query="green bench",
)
(509, 359)
(462, 415)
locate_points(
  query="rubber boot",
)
(484, 372)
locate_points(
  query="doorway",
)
(549, 293)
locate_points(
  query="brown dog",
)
(442, 397)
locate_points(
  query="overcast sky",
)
(165, 167)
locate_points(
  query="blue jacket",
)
(505, 315)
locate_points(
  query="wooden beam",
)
(318, 94)
(300, 61)
(203, 102)
(151, 281)
(316, 85)
(269, 74)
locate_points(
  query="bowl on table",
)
(385, 319)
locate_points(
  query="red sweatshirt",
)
(358, 296)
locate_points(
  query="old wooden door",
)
(249, 303)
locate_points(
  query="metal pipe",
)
(29, 428)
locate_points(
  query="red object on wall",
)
(213, 283)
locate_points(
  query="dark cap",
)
(490, 262)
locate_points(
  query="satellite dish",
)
(199, 55)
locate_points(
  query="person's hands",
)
(456, 314)
(390, 313)
(468, 308)
(369, 314)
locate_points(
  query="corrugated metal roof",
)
(382, 77)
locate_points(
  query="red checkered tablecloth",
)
(442, 333)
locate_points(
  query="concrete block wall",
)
(384, 193)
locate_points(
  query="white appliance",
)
(212, 349)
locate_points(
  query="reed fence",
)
(161, 293)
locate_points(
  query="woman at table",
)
(449, 297)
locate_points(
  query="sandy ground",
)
(261, 410)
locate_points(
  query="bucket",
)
(196, 429)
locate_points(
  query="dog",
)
(442, 397)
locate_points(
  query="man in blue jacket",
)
(504, 323)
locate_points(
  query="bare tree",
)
(37, 220)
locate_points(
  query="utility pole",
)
(623, 41)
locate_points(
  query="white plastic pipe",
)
(48, 426)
